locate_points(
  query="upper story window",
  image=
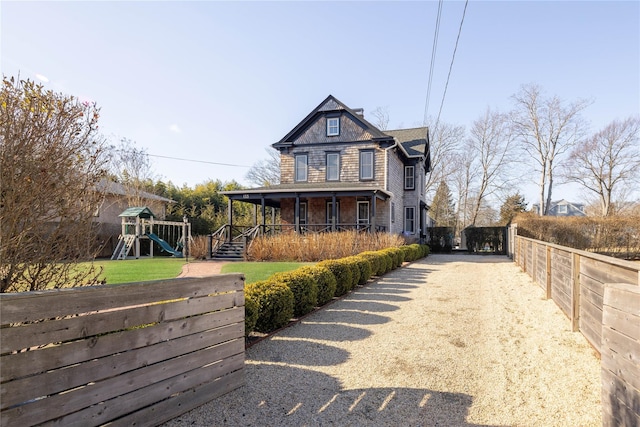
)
(366, 165)
(562, 209)
(333, 166)
(301, 166)
(333, 126)
(409, 178)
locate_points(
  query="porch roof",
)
(274, 194)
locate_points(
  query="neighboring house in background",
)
(117, 199)
(562, 208)
(338, 172)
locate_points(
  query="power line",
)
(433, 60)
(453, 57)
(181, 159)
(198, 161)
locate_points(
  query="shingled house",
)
(339, 172)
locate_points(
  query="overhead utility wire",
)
(433, 60)
(444, 94)
(187, 160)
(198, 161)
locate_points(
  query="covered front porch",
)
(305, 208)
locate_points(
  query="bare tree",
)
(131, 167)
(51, 159)
(463, 177)
(266, 172)
(381, 115)
(547, 128)
(608, 163)
(445, 140)
(490, 148)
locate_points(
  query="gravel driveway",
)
(451, 340)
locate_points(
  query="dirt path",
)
(452, 340)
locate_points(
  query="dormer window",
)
(333, 126)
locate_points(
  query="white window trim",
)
(362, 177)
(337, 178)
(362, 220)
(413, 220)
(296, 168)
(303, 208)
(331, 120)
(412, 175)
(562, 209)
(328, 213)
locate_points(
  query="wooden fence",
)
(134, 354)
(601, 297)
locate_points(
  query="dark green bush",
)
(388, 261)
(377, 262)
(342, 272)
(355, 270)
(397, 256)
(304, 288)
(275, 304)
(424, 251)
(251, 311)
(364, 268)
(410, 252)
(325, 281)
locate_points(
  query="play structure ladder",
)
(123, 247)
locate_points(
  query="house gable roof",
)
(330, 105)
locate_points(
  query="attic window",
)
(333, 126)
(562, 209)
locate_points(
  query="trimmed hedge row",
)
(270, 304)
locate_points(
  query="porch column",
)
(333, 212)
(255, 215)
(264, 216)
(373, 213)
(296, 220)
(273, 216)
(230, 218)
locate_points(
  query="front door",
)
(363, 215)
(303, 216)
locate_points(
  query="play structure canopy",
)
(143, 212)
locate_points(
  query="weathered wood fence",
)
(601, 297)
(134, 354)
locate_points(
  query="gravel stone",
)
(450, 340)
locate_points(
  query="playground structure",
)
(139, 225)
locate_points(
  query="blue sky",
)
(221, 81)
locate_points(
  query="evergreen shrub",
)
(325, 281)
(304, 288)
(275, 304)
(342, 272)
(377, 262)
(251, 311)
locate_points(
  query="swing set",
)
(139, 225)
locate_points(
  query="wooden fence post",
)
(548, 295)
(575, 292)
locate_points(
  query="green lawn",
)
(140, 270)
(255, 271)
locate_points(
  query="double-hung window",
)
(333, 126)
(333, 166)
(300, 167)
(409, 178)
(366, 165)
(409, 219)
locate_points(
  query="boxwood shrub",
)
(325, 280)
(397, 256)
(342, 272)
(304, 288)
(275, 304)
(355, 270)
(376, 260)
(251, 311)
(364, 268)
